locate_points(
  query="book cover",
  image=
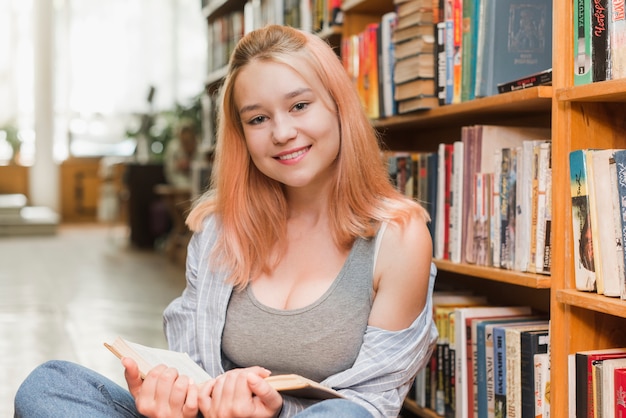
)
(617, 224)
(542, 385)
(517, 41)
(584, 376)
(620, 393)
(584, 269)
(609, 270)
(582, 42)
(619, 157)
(532, 343)
(460, 347)
(617, 36)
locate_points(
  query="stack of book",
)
(414, 53)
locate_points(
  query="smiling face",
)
(291, 133)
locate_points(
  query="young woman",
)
(304, 258)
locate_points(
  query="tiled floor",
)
(62, 296)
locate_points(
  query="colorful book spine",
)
(584, 269)
(619, 158)
(617, 36)
(620, 393)
(582, 42)
(599, 39)
(441, 62)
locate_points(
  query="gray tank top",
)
(316, 341)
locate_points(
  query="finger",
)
(190, 408)
(178, 393)
(132, 376)
(205, 396)
(165, 385)
(265, 392)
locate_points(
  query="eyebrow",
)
(290, 95)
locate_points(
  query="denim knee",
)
(333, 408)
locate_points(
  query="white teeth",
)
(292, 155)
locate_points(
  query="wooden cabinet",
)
(580, 117)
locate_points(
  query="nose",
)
(284, 130)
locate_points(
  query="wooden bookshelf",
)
(585, 116)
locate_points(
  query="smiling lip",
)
(292, 156)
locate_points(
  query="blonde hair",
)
(251, 207)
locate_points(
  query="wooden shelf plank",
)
(535, 281)
(531, 100)
(592, 302)
(605, 91)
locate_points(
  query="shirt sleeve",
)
(388, 362)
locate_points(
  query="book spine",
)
(617, 39)
(620, 392)
(526, 82)
(440, 57)
(507, 208)
(495, 209)
(583, 254)
(582, 43)
(457, 61)
(619, 158)
(449, 50)
(513, 383)
(541, 385)
(617, 224)
(599, 39)
(456, 214)
(441, 219)
(490, 377)
(499, 370)
(448, 151)
(543, 208)
(532, 344)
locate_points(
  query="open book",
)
(149, 357)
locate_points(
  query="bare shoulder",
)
(401, 274)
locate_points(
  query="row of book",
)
(597, 383)
(598, 192)
(429, 53)
(488, 195)
(485, 43)
(308, 15)
(599, 40)
(489, 361)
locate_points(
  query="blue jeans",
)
(63, 389)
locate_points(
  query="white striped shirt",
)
(379, 379)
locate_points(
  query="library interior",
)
(503, 119)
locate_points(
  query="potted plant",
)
(11, 135)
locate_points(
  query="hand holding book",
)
(149, 357)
